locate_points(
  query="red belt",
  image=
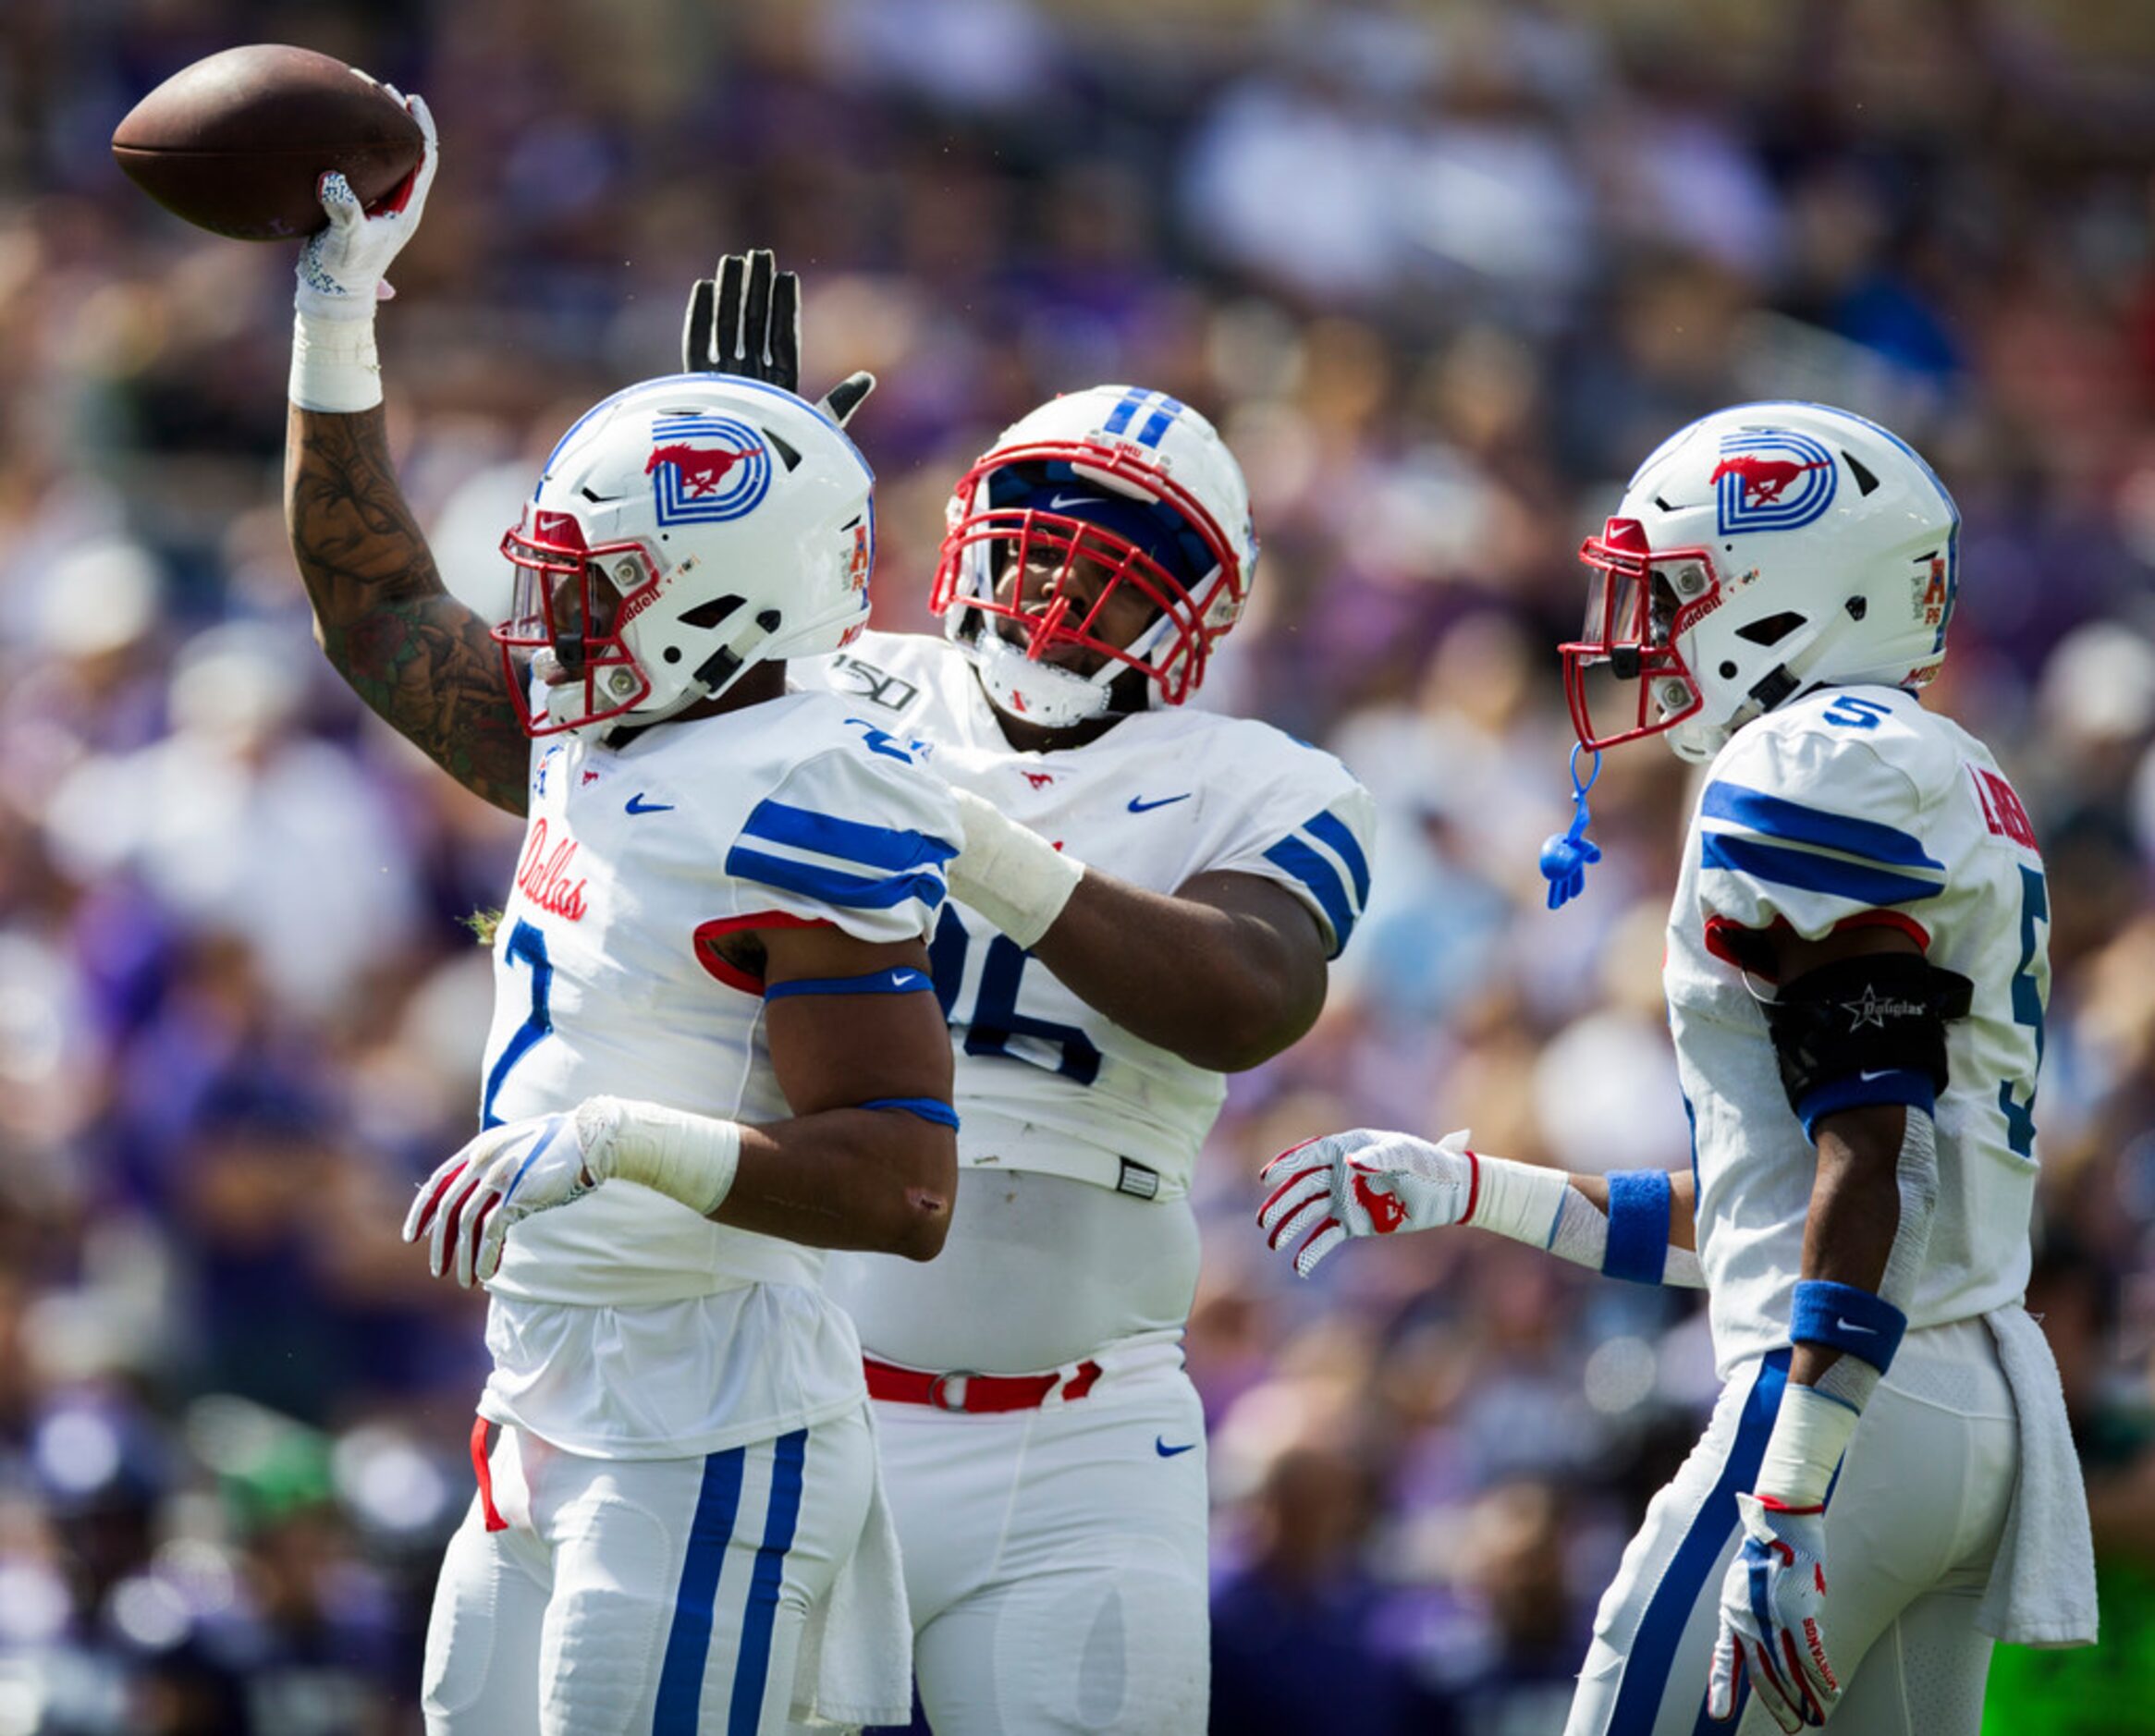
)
(960, 1389)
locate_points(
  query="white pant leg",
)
(1055, 1560)
(1915, 1517)
(481, 1673)
(673, 1592)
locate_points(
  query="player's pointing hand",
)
(1362, 1183)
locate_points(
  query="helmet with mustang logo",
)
(684, 531)
(1764, 550)
(1117, 498)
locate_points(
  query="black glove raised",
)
(745, 319)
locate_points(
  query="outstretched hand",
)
(745, 319)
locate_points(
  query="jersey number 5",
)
(2027, 1009)
(527, 944)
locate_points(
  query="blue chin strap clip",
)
(1566, 855)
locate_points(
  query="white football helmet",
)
(1762, 550)
(1133, 480)
(684, 531)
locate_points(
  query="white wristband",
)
(691, 1159)
(1010, 875)
(1810, 1433)
(334, 363)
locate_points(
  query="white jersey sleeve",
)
(1817, 821)
(850, 838)
(1312, 832)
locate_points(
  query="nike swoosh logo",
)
(1850, 1325)
(1139, 805)
(1058, 503)
(638, 805)
(1159, 1445)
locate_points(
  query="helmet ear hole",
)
(1771, 629)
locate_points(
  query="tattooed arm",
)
(421, 658)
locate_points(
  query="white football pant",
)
(1055, 1560)
(660, 1595)
(1912, 1525)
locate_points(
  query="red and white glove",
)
(1773, 1605)
(465, 1208)
(1365, 1183)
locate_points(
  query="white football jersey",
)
(1043, 1081)
(623, 1324)
(1857, 805)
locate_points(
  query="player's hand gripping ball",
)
(466, 1207)
(1363, 1183)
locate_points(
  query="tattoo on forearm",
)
(418, 656)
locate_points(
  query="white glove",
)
(1772, 1602)
(465, 1208)
(519, 1168)
(1365, 1183)
(342, 270)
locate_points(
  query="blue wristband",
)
(903, 980)
(1842, 1317)
(1900, 1084)
(1638, 1226)
(927, 1109)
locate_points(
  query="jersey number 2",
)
(527, 944)
(996, 1019)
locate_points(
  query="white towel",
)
(855, 1662)
(2042, 1584)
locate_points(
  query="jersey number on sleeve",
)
(2027, 1009)
(527, 944)
(996, 1019)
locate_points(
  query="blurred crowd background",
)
(1442, 273)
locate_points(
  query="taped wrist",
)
(691, 1159)
(1866, 1030)
(1810, 1436)
(1010, 874)
(335, 366)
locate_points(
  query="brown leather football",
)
(235, 144)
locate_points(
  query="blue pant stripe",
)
(1660, 1630)
(688, 1646)
(753, 1668)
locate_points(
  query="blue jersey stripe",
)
(873, 846)
(1660, 1630)
(1777, 818)
(903, 980)
(1160, 420)
(829, 886)
(1119, 418)
(1316, 872)
(688, 1646)
(1799, 868)
(1329, 828)
(753, 1668)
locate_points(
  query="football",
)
(235, 144)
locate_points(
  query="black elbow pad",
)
(1879, 1014)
